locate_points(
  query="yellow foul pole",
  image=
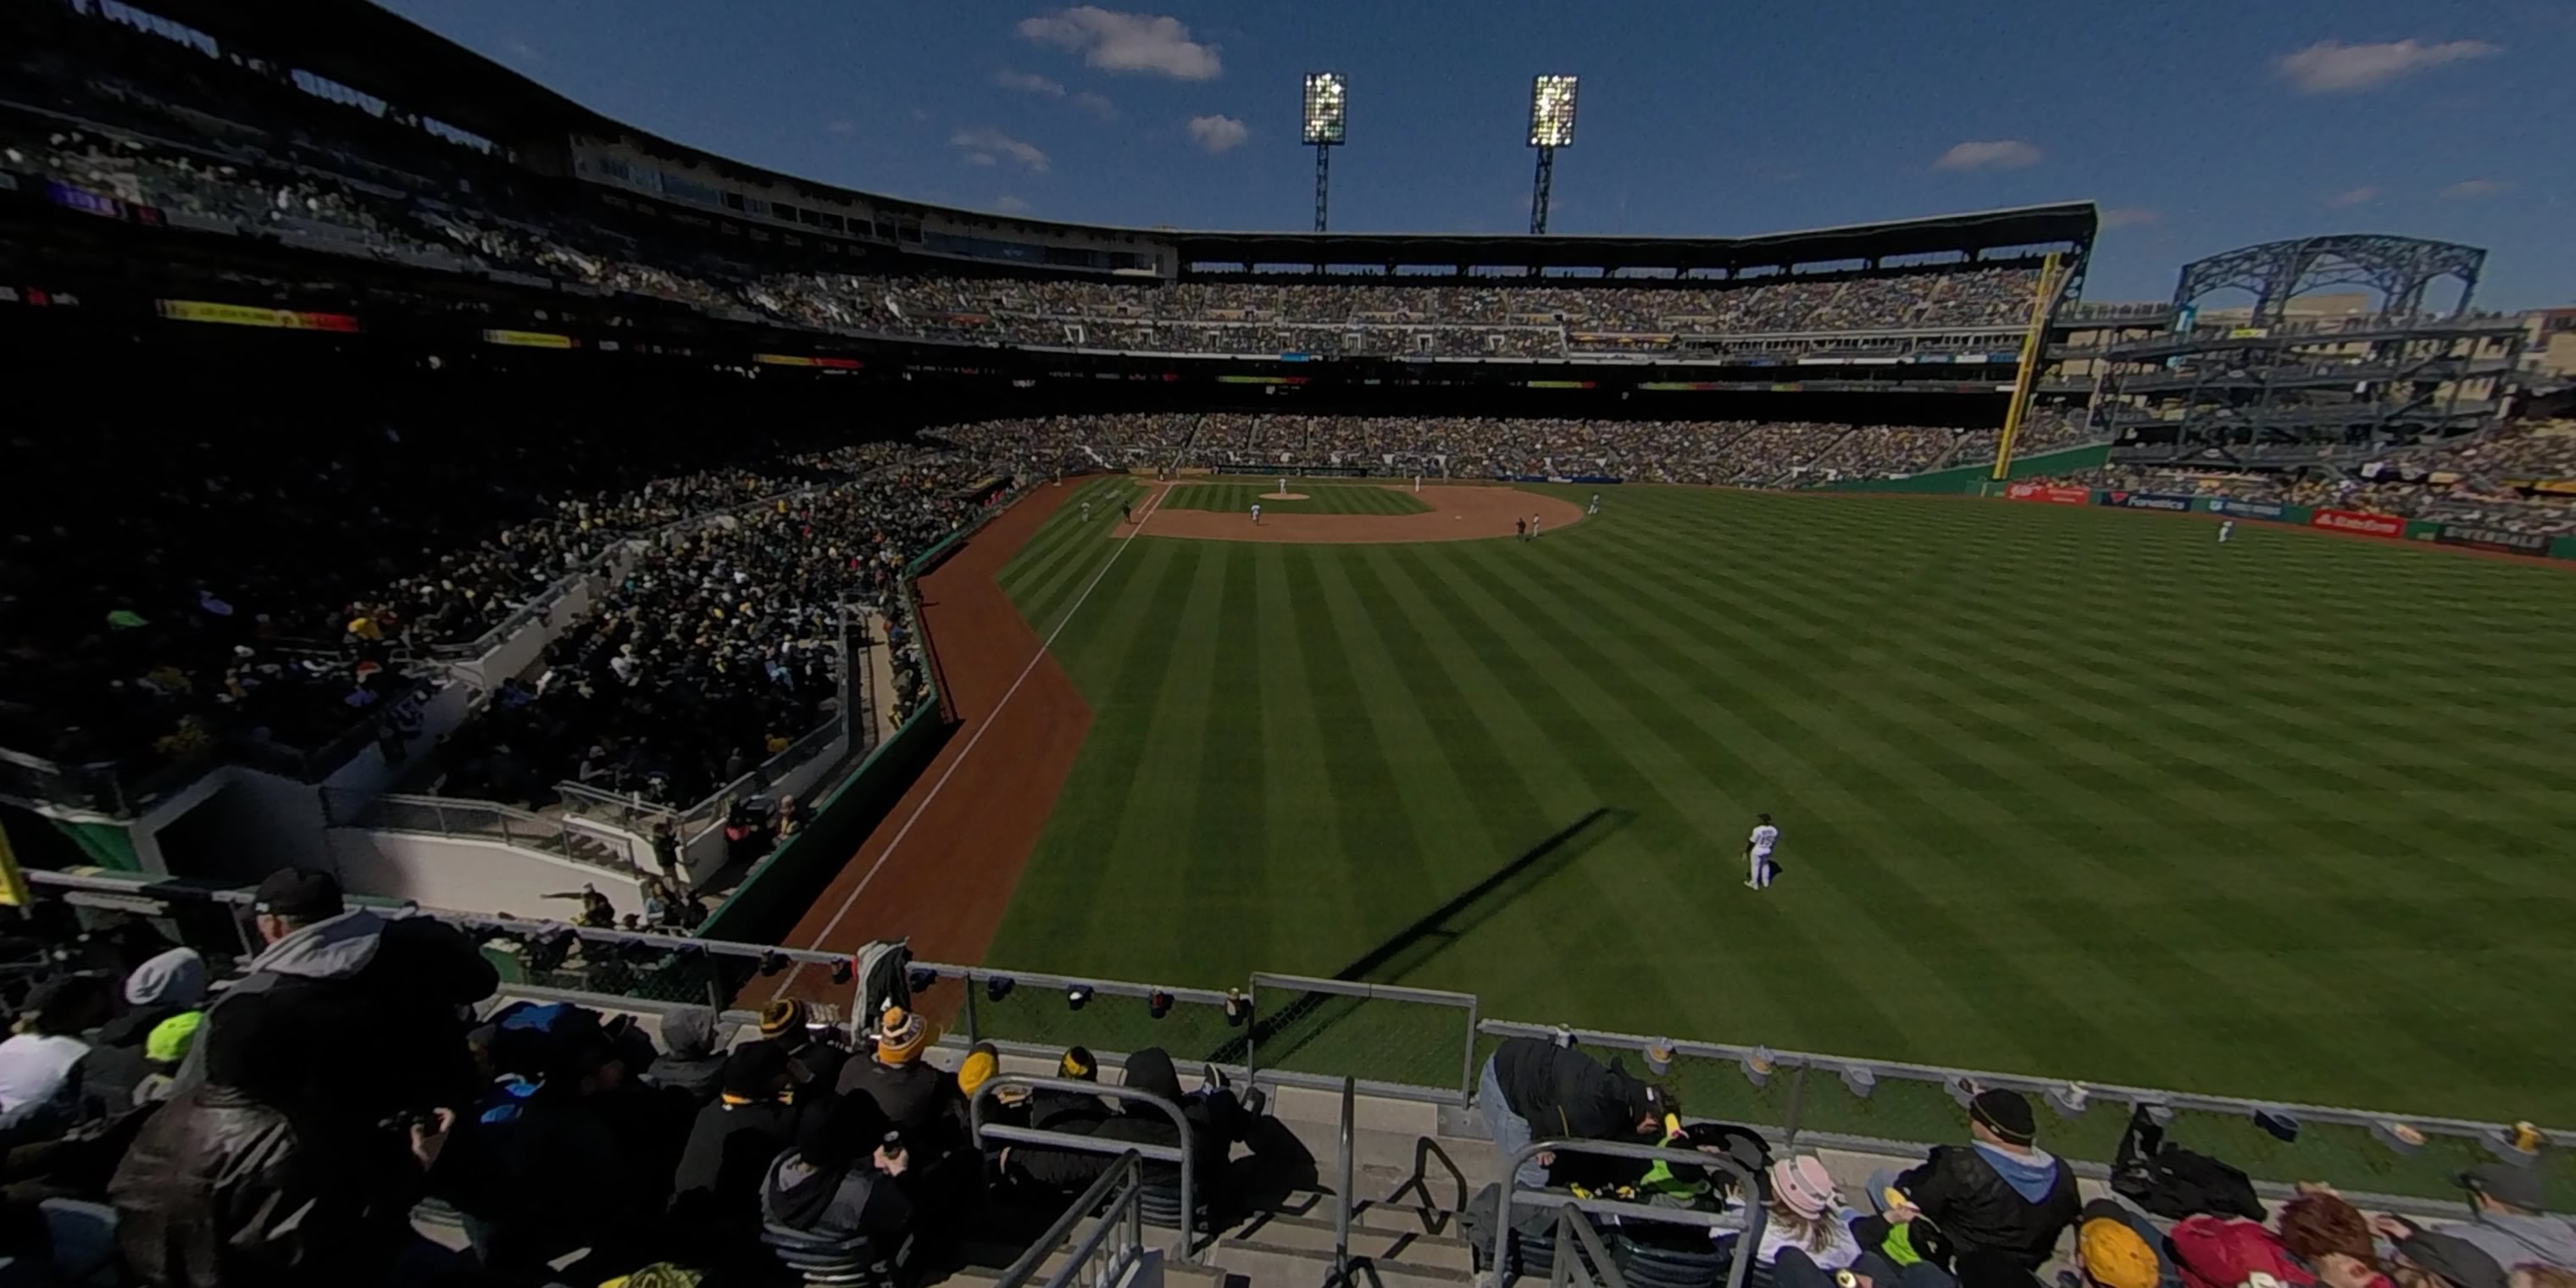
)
(2034, 346)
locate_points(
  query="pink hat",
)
(1802, 1186)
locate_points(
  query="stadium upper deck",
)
(367, 135)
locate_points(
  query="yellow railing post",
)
(2034, 346)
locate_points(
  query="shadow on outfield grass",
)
(1280, 1032)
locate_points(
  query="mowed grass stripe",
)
(1651, 685)
(2076, 791)
(1307, 869)
(1119, 652)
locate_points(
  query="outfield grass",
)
(2062, 791)
(1235, 497)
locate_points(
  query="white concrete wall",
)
(470, 875)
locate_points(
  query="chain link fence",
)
(1840, 1101)
(1386, 1036)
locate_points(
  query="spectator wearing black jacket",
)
(715, 1193)
(817, 1058)
(842, 1182)
(229, 1183)
(157, 990)
(919, 1100)
(2000, 1193)
(1536, 1090)
(366, 1003)
(1061, 1170)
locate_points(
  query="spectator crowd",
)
(1734, 452)
(168, 1129)
(352, 1103)
(2518, 477)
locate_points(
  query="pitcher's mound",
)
(1283, 496)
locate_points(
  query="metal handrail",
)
(1127, 1170)
(1569, 1220)
(979, 1132)
(136, 887)
(1350, 1160)
(1748, 1188)
(1433, 1216)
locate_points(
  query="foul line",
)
(991, 718)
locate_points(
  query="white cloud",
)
(1218, 133)
(1126, 42)
(843, 127)
(2472, 189)
(2333, 67)
(1989, 154)
(2130, 216)
(1028, 83)
(522, 50)
(1009, 205)
(2351, 197)
(1097, 104)
(985, 146)
(920, 113)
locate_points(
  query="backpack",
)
(2175, 1183)
(2220, 1252)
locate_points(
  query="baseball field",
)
(2062, 791)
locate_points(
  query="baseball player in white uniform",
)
(1256, 514)
(2226, 530)
(1757, 850)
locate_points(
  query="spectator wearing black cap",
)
(2442, 1259)
(2000, 1193)
(715, 1193)
(366, 1004)
(1535, 1090)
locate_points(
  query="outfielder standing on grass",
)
(1595, 507)
(1757, 851)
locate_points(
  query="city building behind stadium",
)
(701, 719)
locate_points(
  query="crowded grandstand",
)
(600, 495)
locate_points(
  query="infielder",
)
(2226, 529)
(1757, 851)
(1533, 527)
(1595, 507)
(1256, 514)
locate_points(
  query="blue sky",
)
(2198, 125)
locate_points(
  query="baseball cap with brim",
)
(305, 896)
(2452, 1258)
(2506, 1183)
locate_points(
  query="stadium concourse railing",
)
(1429, 1046)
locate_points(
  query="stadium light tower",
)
(1327, 114)
(1551, 127)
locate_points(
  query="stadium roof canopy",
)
(368, 48)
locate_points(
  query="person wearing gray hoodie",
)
(689, 1061)
(2508, 1222)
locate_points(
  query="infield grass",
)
(1238, 497)
(2070, 792)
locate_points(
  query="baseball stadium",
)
(549, 642)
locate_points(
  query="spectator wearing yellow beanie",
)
(920, 1101)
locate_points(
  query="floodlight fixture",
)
(1551, 126)
(1551, 119)
(1327, 109)
(1327, 124)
